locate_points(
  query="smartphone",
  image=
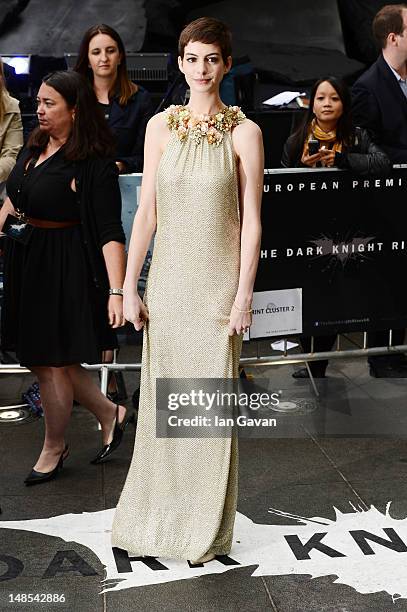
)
(313, 146)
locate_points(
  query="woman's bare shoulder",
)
(157, 129)
(157, 133)
(247, 138)
(158, 121)
(247, 128)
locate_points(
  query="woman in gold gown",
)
(201, 192)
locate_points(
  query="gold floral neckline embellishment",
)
(212, 127)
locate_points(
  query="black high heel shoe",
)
(120, 393)
(38, 477)
(117, 437)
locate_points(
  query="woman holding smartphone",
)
(327, 137)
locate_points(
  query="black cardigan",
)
(363, 157)
(100, 204)
(128, 124)
(99, 199)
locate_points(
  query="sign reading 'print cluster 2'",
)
(365, 549)
(277, 313)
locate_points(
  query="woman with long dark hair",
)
(63, 283)
(127, 107)
(328, 127)
(328, 138)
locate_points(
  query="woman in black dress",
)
(63, 288)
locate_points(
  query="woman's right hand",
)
(134, 310)
(310, 160)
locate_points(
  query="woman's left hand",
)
(115, 311)
(327, 157)
(239, 322)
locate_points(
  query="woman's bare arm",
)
(248, 144)
(145, 221)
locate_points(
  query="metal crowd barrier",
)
(260, 360)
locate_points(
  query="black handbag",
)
(17, 226)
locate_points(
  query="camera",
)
(313, 146)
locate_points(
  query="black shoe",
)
(38, 477)
(117, 436)
(303, 373)
(120, 393)
(113, 396)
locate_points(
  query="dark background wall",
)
(53, 27)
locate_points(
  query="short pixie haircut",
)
(389, 20)
(209, 31)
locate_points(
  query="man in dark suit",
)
(380, 94)
(380, 105)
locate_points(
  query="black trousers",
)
(321, 343)
(376, 338)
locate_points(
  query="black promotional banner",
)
(342, 239)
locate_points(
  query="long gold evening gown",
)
(179, 499)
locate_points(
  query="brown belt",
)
(50, 224)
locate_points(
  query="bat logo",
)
(362, 548)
